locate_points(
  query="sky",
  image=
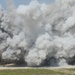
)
(20, 2)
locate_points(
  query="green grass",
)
(30, 72)
(38, 72)
(72, 69)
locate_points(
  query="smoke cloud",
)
(38, 34)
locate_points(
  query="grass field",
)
(38, 72)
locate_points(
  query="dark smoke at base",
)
(38, 34)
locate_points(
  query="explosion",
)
(38, 34)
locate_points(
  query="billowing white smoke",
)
(39, 34)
